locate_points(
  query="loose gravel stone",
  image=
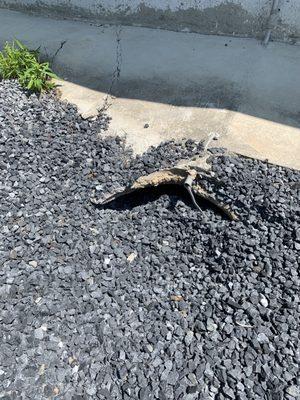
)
(143, 299)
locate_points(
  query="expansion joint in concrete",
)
(272, 21)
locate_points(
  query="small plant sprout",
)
(19, 62)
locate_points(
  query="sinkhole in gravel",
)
(175, 194)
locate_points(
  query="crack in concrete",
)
(58, 50)
(108, 101)
(52, 58)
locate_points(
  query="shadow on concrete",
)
(207, 92)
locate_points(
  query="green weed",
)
(19, 62)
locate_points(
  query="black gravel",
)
(144, 299)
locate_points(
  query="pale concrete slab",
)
(146, 123)
(263, 139)
(240, 133)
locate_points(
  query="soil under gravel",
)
(144, 299)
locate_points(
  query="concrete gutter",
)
(178, 84)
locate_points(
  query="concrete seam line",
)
(272, 21)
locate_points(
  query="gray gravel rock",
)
(205, 309)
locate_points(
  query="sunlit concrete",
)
(240, 133)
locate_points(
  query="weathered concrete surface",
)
(129, 117)
(182, 85)
(241, 133)
(224, 17)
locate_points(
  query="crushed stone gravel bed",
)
(143, 299)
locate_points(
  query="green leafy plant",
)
(19, 62)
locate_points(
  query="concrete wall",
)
(229, 17)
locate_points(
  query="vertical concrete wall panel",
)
(229, 17)
(288, 27)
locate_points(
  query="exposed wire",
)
(188, 185)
